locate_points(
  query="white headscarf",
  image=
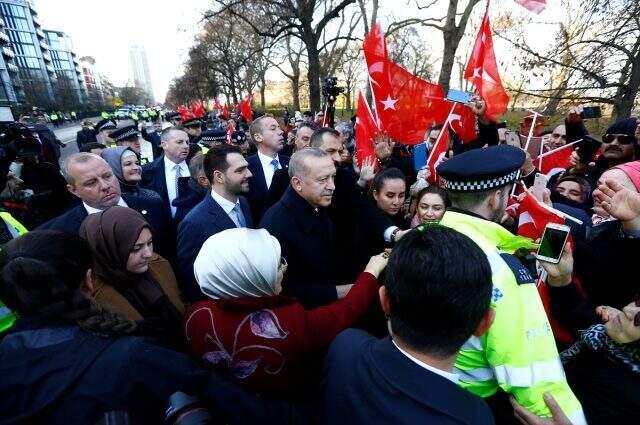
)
(238, 262)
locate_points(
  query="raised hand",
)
(618, 201)
(367, 172)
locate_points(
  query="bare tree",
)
(291, 51)
(596, 58)
(450, 26)
(275, 20)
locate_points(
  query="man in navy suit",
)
(163, 174)
(435, 303)
(223, 208)
(268, 138)
(91, 179)
(153, 137)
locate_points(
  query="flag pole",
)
(445, 127)
(526, 145)
(551, 152)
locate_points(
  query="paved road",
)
(68, 136)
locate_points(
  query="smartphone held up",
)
(552, 244)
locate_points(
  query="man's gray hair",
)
(166, 133)
(345, 128)
(297, 165)
(77, 158)
(196, 165)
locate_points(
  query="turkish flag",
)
(197, 109)
(366, 130)
(555, 159)
(185, 114)
(405, 105)
(535, 6)
(437, 154)
(225, 111)
(482, 71)
(245, 108)
(463, 122)
(534, 217)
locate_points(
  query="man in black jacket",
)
(301, 222)
(409, 377)
(86, 135)
(90, 178)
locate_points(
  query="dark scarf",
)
(112, 234)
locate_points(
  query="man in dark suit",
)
(351, 212)
(163, 174)
(90, 178)
(268, 137)
(409, 377)
(153, 137)
(223, 208)
(301, 223)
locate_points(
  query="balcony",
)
(36, 20)
(4, 38)
(47, 57)
(41, 33)
(50, 69)
(8, 52)
(16, 82)
(44, 45)
(12, 68)
(2, 24)
(75, 59)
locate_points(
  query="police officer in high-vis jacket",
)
(518, 354)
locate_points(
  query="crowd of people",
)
(266, 273)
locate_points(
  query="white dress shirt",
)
(447, 375)
(91, 210)
(228, 207)
(267, 167)
(170, 178)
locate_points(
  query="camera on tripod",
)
(330, 89)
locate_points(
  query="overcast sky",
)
(166, 28)
(106, 29)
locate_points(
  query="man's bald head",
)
(91, 179)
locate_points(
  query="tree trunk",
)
(313, 75)
(448, 58)
(263, 87)
(295, 92)
(626, 94)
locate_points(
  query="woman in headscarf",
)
(130, 279)
(263, 339)
(125, 164)
(66, 361)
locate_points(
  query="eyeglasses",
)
(283, 264)
(623, 139)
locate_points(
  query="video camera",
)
(330, 89)
(20, 141)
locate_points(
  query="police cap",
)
(481, 169)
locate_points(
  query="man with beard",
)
(228, 172)
(518, 354)
(268, 137)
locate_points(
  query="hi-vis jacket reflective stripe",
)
(518, 353)
(7, 317)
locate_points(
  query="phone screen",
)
(552, 243)
(459, 96)
(591, 112)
